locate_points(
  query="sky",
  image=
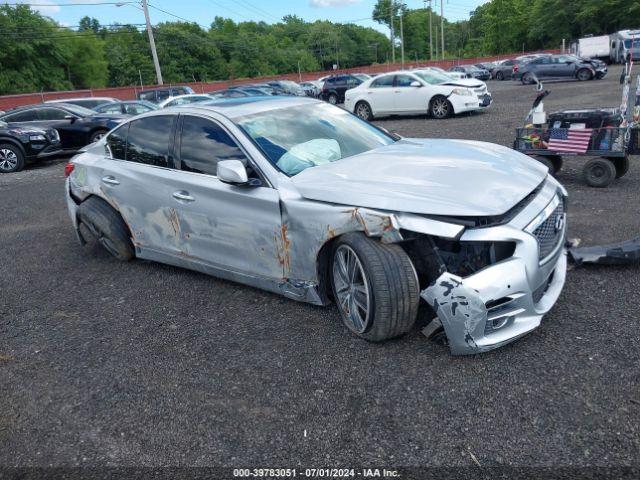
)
(69, 12)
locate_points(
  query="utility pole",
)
(299, 74)
(430, 33)
(436, 42)
(393, 47)
(401, 37)
(152, 42)
(442, 27)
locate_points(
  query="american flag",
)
(569, 140)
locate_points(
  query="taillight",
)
(68, 169)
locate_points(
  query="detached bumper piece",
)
(621, 253)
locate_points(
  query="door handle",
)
(110, 180)
(183, 196)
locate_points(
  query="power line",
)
(66, 4)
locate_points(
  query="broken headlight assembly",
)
(432, 256)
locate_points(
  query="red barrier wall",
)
(129, 93)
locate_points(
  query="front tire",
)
(527, 78)
(500, 76)
(333, 99)
(440, 107)
(363, 110)
(584, 74)
(11, 158)
(97, 135)
(375, 287)
(97, 218)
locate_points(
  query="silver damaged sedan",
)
(302, 198)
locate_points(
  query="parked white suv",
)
(416, 92)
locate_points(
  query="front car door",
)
(407, 98)
(72, 135)
(228, 227)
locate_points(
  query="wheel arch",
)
(15, 143)
(79, 201)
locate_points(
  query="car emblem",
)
(559, 224)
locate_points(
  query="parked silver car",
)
(304, 199)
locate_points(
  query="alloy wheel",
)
(352, 289)
(440, 108)
(8, 160)
(363, 111)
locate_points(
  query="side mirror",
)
(416, 83)
(70, 117)
(233, 172)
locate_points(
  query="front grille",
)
(550, 232)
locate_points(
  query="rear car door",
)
(380, 94)
(235, 228)
(136, 178)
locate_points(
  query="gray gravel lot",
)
(103, 363)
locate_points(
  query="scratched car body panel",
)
(473, 210)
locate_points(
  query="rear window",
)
(148, 140)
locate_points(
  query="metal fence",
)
(129, 93)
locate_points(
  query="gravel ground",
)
(141, 364)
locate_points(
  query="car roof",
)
(65, 100)
(38, 105)
(238, 107)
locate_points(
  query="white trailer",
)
(594, 47)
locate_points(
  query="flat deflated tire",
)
(106, 225)
(375, 287)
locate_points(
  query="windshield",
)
(78, 110)
(636, 42)
(297, 138)
(433, 78)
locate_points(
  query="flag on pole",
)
(569, 140)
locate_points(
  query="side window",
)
(148, 96)
(51, 114)
(24, 116)
(148, 140)
(115, 108)
(132, 109)
(117, 142)
(403, 80)
(381, 82)
(203, 144)
(162, 95)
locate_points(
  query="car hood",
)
(433, 177)
(22, 129)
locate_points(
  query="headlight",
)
(37, 138)
(465, 92)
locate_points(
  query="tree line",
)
(506, 26)
(37, 54)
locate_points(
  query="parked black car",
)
(22, 145)
(131, 107)
(77, 126)
(334, 87)
(559, 66)
(157, 95)
(472, 71)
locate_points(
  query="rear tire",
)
(375, 287)
(333, 99)
(440, 107)
(11, 158)
(363, 110)
(527, 78)
(105, 224)
(499, 76)
(599, 172)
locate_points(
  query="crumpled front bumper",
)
(502, 302)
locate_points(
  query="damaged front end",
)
(495, 284)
